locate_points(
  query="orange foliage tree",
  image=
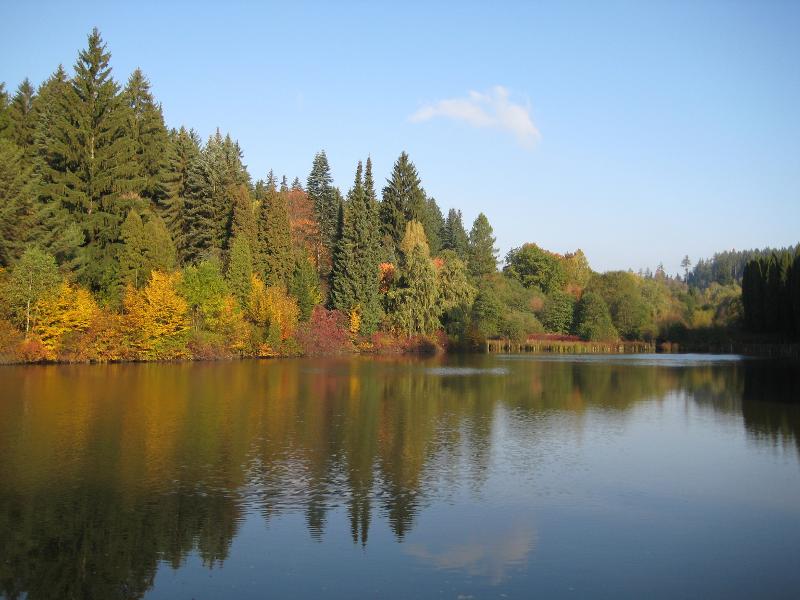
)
(272, 308)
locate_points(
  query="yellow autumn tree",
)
(71, 310)
(272, 308)
(157, 318)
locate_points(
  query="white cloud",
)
(490, 109)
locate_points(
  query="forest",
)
(123, 239)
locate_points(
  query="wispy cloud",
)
(485, 109)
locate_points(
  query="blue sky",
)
(637, 131)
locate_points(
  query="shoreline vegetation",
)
(124, 240)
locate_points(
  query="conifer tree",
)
(151, 142)
(17, 210)
(240, 269)
(183, 154)
(90, 166)
(296, 185)
(23, 118)
(245, 221)
(482, 253)
(159, 249)
(133, 264)
(304, 285)
(320, 190)
(434, 225)
(284, 185)
(403, 200)
(354, 286)
(454, 235)
(5, 118)
(275, 237)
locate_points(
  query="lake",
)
(656, 476)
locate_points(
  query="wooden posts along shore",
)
(567, 347)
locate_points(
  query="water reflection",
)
(105, 471)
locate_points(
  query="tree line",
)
(124, 239)
(771, 293)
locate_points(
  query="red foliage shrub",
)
(553, 337)
(31, 350)
(326, 332)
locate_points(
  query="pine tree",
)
(482, 253)
(245, 222)
(454, 235)
(5, 118)
(320, 190)
(305, 285)
(151, 142)
(296, 185)
(284, 185)
(403, 200)
(89, 165)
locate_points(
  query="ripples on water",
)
(458, 476)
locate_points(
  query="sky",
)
(639, 132)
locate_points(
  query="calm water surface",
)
(458, 477)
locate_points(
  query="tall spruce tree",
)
(184, 152)
(482, 253)
(23, 118)
(5, 118)
(320, 190)
(454, 235)
(151, 142)
(17, 206)
(354, 286)
(433, 221)
(89, 166)
(240, 269)
(403, 200)
(275, 237)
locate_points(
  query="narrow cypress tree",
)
(482, 253)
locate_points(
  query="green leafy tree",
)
(204, 289)
(558, 312)
(415, 301)
(535, 267)
(34, 277)
(593, 319)
(133, 264)
(481, 251)
(159, 249)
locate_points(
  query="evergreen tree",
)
(159, 250)
(240, 269)
(284, 185)
(304, 285)
(212, 184)
(320, 190)
(17, 211)
(245, 221)
(23, 118)
(296, 185)
(482, 253)
(275, 237)
(5, 118)
(89, 165)
(151, 142)
(183, 154)
(434, 226)
(403, 200)
(133, 264)
(354, 286)
(454, 235)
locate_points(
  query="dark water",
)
(461, 477)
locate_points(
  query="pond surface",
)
(452, 477)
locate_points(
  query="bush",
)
(326, 332)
